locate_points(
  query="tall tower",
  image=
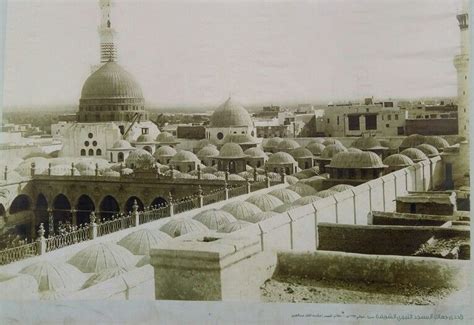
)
(461, 62)
(106, 33)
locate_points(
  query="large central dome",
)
(111, 94)
(111, 81)
(229, 114)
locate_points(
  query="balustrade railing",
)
(18, 253)
(215, 196)
(237, 191)
(155, 213)
(110, 226)
(67, 239)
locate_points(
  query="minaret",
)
(461, 62)
(106, 33)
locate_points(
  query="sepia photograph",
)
(235, 162)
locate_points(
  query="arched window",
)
(83, 152)
(91, 152)
(287, 170)
(190, 168)
(98, 152)
(259, 163)
(120, 156)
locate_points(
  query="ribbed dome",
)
(316, 182)
(291, 180)
(307, 200)
(145, 138)
(272, 143)
(281, 158)
(101, 256)
(255, 152)
(316, 148)
(241, 210)
(140, 159)
(122, 144)
(412, 141)
(166, 137)
(398, 160)
(231, 150)
(178, 226)
(234, 226)
(414, 154)
(229, 114)
(104, 275)
(352, 149)
(185, 156)
(285, 207)
(367, 143)
(207, 151)
(285, 195)
(239, 138)
(437, 142)
(302, 189)
(55, 276)
(265, 202)
(341, 187)
(326, 193)
(111, 81)
(139, 242)
(428, 150)
(330, 141)
(214, 219)
(165, 151)
(264, 215)
(301, 153)
(288, 144)
(365, 159)
(315, 140)
(203, 143)
(331, 150)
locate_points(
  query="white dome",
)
(97, 257)
(139, 242)
(214, 219)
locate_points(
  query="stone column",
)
(135, 214)
(171, 204)
(41, 240)
(49, 169)
(51, 222)
(74, 217)
(255, 174)
(226, 175)
(93, 226)
(200, 197)
(96, 169)
(72, 169)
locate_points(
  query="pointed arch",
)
(21, 203)
(158, 201)
(61, 210)
(84, 206)
(108, 206)
(129, 204)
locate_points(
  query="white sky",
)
(196, 52)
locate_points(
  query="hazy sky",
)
(196, 52)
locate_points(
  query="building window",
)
(83, 152)
(94, 143)
(371, 122)
(220, 135)
(122, 129)
(387, 125)
(144, 130)
(98, 152)
(86, 143)
(389, 117)
(91, 152)
(354, 123)
(338, 120)
(90, 135)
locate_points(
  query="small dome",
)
(230, 113)
(306, 173)
(326, 193)
(164, 151)
(365, 159)
(315, 140)
(302, 189)
(285, 207)
(145, 138)
(231, 150)
(272, 143)
(288, 144)
(341, 187)
(291, 180)
(414, 154)
(265, 202)
(301, 153)
(55, 276)
(140, 159)
(122, 145)
(165, 137)
(178, 226)
(367, 143)
(285, 195)
(104, 275)
(234, 226)
(398, 160)
(101, 256)
(307, 200)
(256, 153)
(111, 81)
(281, 158)
(330, 141)
(412, 141)
(352, 149)
(437, 142)
(239, 138)
(214, 219)
(264, 215)
(316, 182)
(204, 143)
(331, 150)
(241, 210)
(185, 156)
(316, 148)
(428, 150)
(207, 151)
(139, 242)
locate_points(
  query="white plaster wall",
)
(345, 207)
(326, 210)
(389, 192)
(376, 195)
(276, 233)
(362, 203)
(303, 228)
